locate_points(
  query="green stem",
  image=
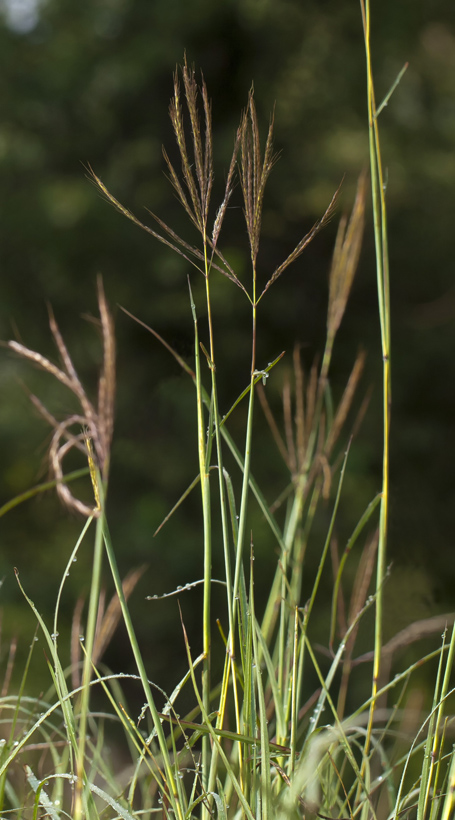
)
(172, 794)
(211, 779)
(203, 446)
(382, 271)
(87, 668)
(247, 460)
(244, 499)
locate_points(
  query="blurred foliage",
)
(90, 82)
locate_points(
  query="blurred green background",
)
(90, 82)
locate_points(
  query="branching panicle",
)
(194, 184)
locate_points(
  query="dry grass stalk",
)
(298, 420)
(300, 415)
(97, 421)
(345, 402)
(108, 619)
(306, 428)
(273, 425)
(358, 598)
(288, 427)
(12, 649)
(345, 259)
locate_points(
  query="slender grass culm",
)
(290, 728)
(382, 270)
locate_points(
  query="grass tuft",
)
(298, 723)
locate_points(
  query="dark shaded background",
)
(90, 82)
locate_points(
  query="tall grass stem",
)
(382, 271)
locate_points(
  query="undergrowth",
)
(252, 746)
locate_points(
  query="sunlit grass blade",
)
(60, 680)
(259, 376)
(387, 97)
(41, 488)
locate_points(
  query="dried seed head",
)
(254, 172)
(94, 424)
(345, 259)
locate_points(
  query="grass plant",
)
(263, 741)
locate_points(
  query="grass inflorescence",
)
(279, 734)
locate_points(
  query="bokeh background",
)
(90, 82)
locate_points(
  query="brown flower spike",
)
(96, 424)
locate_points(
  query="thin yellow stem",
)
(382, 268)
